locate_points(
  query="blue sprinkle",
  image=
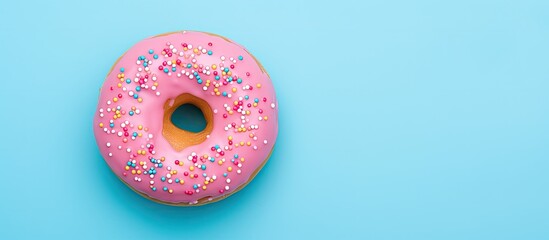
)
(129, 163)
(212, 159)
(216, 77)
(236, 156)
(155, 56)
(163, 179)
(247, 97)
(138, 88)
(203, 167)
(210, 52)
(226, 70)
(151, 51)
(239, 80)
(216, 146)
(111, 125)
(165, 188)
(133, 164)
(225, 174)
(121, 69)
(256, 100)
(224, 94)
(189, 65)
(145, 64)
(240, 58)
(166, 70)
(230, 79)
(160, 165)
(204, 174)
(135, 96)
(134, 134)
(131, 113)
(195, 186)
(154, 188)
(174, 69)
(199, 81)
(177, 180)
(128, 81)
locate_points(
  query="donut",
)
(138, 141)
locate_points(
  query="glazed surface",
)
(128, 123)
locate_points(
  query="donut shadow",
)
(133, 204)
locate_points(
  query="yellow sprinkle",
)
(100, 125)
(255, 104)
(234, 89)
(119, 85)
(127, 168)
(195, 50)
(230, 73)
(161, 159)
(206, 182)
(204, 187)
(140, 134)
(140, 100)
(133, 171)
(171, 190)
(217, 93)
(242, 159)
(258, 85)
(138, 171)
(220, 162)
(191, 168)
(241, 143)
(140, 127)
(231, 112)
(182, 182)
(265, 118)
(214, 67)
(155, 84)
(230, 169)
(249, 143)
(230, 137)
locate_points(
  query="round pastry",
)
(162, 162)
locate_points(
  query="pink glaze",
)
(131, 158)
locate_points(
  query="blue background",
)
(398, 120)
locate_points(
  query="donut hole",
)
(189, 117)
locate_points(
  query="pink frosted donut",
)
(152, 156)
